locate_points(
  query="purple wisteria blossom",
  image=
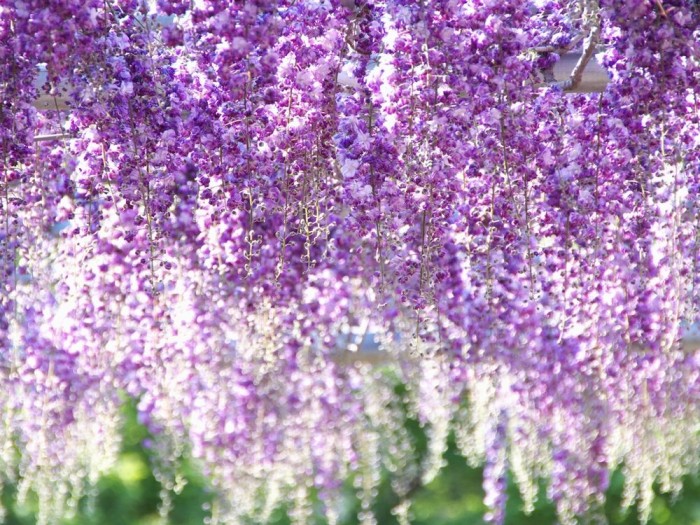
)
(228, 200)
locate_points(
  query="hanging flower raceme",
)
(247, 195)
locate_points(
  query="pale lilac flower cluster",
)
(246, 193)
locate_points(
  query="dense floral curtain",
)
(231, 202)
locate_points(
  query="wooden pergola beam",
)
(593, 80)
(594, 77)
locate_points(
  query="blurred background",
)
(130, 496)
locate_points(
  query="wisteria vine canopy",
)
(232, 197)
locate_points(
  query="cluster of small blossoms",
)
(59, 410)
(248, 196)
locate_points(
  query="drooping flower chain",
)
(252, 191)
